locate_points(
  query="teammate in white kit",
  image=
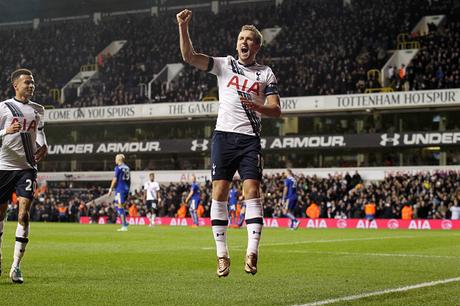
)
(247, 90)
(152, 196)
(21, 132)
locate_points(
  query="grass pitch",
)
(73, 264)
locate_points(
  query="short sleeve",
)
(117, 171)
(41, 116)
(272, 84)
(2, 119)
(216, 65)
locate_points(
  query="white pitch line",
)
(325, 241)
(374, 254)
(336, 240)
(333, 240)
(382, 292)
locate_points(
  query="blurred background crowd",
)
(330, 52)
(419, 196)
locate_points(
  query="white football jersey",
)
(151, 188)
(17, 150)
(254, 82)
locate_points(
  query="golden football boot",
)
(223, 266)
(250, 265)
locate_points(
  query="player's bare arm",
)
(271, 108)
(189, 55)
(41, 153)
(112, 185)
(189, 196)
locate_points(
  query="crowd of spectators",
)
(54, 52)
(426, 195)
(324, 47)
(437, 64)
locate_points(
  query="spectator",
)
(407, 212)
(423, 195)
(313, 211)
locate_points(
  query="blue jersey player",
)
(232, 202)
(121, 183)
(289, 200)
(193, 199)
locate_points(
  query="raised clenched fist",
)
(183, 17)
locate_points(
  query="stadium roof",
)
(19, 10)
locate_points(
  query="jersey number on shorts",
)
(30, 185)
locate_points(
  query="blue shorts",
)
(233, 151)
(121, 197)
(193, 203)
(370, 217)
(24, 182)
(290, 204)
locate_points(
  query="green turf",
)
(96, 265)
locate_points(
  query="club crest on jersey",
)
(243, 85)
(32, 126)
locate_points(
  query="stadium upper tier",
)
(323, 47)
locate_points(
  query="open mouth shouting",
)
(244, 51)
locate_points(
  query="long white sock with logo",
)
(22, 234)
(219, 221)
(255, 222)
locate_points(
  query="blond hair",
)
(120, 157)
(252, 28)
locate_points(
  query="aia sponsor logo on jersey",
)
(244, 85)
(31, 127)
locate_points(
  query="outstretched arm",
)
(198, 60)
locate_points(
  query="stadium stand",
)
(437, 65)
(429, 194)
(330, 52)
(64, 47)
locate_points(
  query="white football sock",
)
(219, 221)
(21, 242)
(255, 222)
